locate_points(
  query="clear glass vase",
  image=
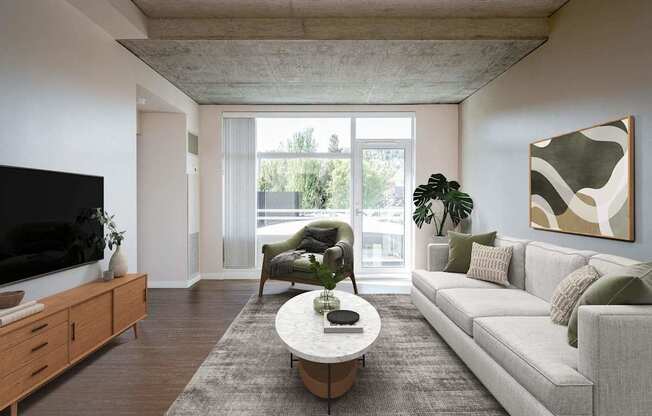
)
(326, 302)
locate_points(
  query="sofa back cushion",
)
(516, 274)
(608, 264)
(546, 265)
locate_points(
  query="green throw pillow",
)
(459, 249)
(632, 286)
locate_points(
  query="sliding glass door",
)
(381, 210)
(382, 193)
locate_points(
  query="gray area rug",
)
(410, 371)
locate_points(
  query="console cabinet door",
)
(90, 324)
(129, 304)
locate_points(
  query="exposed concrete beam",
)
(349, 28)
(119, 18)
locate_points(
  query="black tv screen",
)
(47, 222)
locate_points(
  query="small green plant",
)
(454, 203)
(112, 236)
(328, 278)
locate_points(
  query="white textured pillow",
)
(490, 263)
(568, 293)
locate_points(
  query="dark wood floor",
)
(144, 376)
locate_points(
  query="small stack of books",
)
(16, 313)
(333, 328)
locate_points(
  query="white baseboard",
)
(253, 274)
(234, 274)
(174, 284)
(367, 284)
(196, 278)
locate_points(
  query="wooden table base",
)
(315, 377)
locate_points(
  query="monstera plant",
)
(451, 202)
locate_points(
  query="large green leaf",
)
(436, 188)
(459, 205)
(422, 214)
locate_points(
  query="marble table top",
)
(301, 329)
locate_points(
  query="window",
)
(303, 135)
(384, 128)
(304, 174)
(353, 167)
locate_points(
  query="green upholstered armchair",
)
(301, 273)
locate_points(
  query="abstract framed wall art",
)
(583, 182)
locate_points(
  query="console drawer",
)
(34, 329)
(35, 347)
(17, 383)
(129, 304)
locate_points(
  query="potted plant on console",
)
(113, 237)
(449, 202)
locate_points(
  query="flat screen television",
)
(47, 222)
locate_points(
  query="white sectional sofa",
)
(505, 335)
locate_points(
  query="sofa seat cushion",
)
(430, 282)
(534, 351)
(462, 306)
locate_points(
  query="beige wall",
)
(595, 68)
(162, 199)
(436, 151)
(68, 103)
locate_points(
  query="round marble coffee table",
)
(328, 363)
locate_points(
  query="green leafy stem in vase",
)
(328, 278)
(113, 237)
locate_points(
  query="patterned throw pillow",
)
(490, 263)
(569, 291)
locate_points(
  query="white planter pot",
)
(440, 239)
(118, 263)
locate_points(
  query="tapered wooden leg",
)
(355, 287)
(135, 328)
(14, 409)
(263, 278)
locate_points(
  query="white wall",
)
(68, 103)
(162, 199)
(436, 151)
(594, 68)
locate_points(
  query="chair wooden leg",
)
(355, 287)
(263, 279)
(135, 328)
(14, 409)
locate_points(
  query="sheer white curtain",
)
(239, 193)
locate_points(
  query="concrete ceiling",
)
(347, 8)
(337, 51)
(329, 72)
